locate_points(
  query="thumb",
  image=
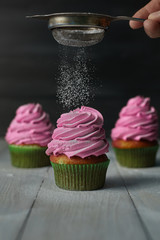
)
(152, 28)
(152, 25)
(155, 16)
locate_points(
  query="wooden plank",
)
(143, 186)
(104, 214)
(33, 207)
(18, 192)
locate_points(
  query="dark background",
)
(127, 62)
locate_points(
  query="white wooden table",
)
(33, 208)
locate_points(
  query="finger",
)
(144, 12)
(152, 28)
(155, 16)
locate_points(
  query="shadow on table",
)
(157, 162)
(140, 182)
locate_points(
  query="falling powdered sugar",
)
(74, 82)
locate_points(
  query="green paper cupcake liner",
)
(28, 156)
(137, 157)
(80, 177)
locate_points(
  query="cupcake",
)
(134, 137)
(78, 150)
(28, 135)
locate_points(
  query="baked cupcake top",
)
(137, 121)
(79, 133)
(31, 125)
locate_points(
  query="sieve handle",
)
(127, 18)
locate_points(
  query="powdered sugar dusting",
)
(74, 82)
(78, 37)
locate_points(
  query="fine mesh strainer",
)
(80, 29)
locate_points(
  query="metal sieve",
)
(80, 29)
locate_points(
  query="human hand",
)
(150, 12)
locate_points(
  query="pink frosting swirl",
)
(138, 121)
(31, 125)
(79, 133)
